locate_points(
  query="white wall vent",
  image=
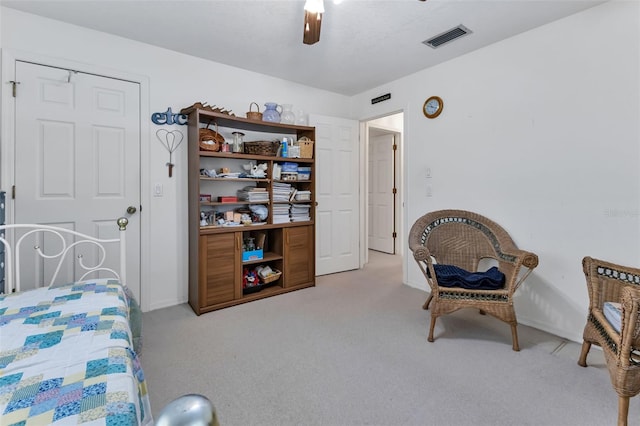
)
(447, 36)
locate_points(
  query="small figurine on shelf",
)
(203, 219)
(259, 171)
(256, 171)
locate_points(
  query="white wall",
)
(539, 132)
(177, 81)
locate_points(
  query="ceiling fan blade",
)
(312, 22)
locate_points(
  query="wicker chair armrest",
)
(530, 260)
(421, 253)
(521, 258)
(630, 332)
(423, 258)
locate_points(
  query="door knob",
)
(131, 210)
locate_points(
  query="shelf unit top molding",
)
(225, 120)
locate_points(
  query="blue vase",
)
(271, 112)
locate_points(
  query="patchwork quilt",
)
(67, 357)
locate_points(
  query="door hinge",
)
(395, 146)
(13, 192)
(394, 235)
(13, 90)
(395, 191)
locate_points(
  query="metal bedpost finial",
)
(190, 409)
(122, 223)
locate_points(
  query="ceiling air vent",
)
(447, 36)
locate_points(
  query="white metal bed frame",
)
(12, 269)
(187, 409)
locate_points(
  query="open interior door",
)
(337, 194)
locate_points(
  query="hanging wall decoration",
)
(169, 117)
(171, 140)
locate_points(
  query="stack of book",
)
(281, 213)
(281, 191)
(300, 212)
(253, 194)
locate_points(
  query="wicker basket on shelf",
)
(271, 278)
(254, 115)
(306, 147)
(210, 140)
(267, 148)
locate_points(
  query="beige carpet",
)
(353, 351)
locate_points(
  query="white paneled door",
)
(337, 183)
(381, 193)
(77, 159)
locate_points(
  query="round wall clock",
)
(432, 107)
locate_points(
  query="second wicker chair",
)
(616, 327)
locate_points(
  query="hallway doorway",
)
(384, 139)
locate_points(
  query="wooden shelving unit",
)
(215, 252)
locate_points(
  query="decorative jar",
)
(287, 116)
(271, 112)
(238, 142)
(301, 118)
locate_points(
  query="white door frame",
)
(7, 154)
(364, 189)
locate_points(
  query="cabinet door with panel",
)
(220, 258)
(299, 248)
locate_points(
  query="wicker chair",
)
(608, 282)
(462, 239)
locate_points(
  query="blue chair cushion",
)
(452, 276)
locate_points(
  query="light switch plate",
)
(157, 190)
